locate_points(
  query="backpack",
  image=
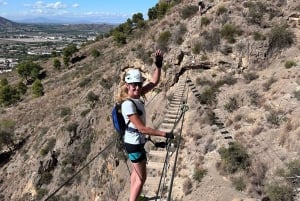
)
(118, 120)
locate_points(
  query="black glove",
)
(160, 144)
(158, 59)
(170, 136)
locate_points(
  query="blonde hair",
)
(123, 93)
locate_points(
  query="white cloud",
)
(56, 5)
(42, 5)
(75, 5)
(38, 4)
(51, 9)
(3, 3)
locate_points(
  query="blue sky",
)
(111, 11)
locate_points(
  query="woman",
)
(135, 119)
(201, 6)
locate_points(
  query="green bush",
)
(221, 10)
(180, 33)
(3, 82)
(106, 83)
(8, 95)
(37, 88)
(293, 168)
(64, 111)
(250, 76)
(205, 21)
(280, 37)
(164, 37)
(84, 82)
(258, 36)
(56, 64)
(158, 11)
(29, 70)
(7, 136)
(188, 11)
(234, 158)
(119, 38)
(239, 183)
(49, 146)
(72, 127)
(85, 112)
(199, 173)
(196, 48)
(204, 58)
(279, 191)
(256, 12)
(254, 97)
(290, 64)
(210, 40)
(268, 83)
(69, 50)
(163, 40)
(274, 117)
(209, 95)
(40, 193)
(92, 98)
(95, 53)
(297, 95)
(229, 31)
(21, 88)
(45, 178)
(231, 105)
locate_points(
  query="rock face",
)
(237, 91)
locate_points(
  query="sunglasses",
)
(136, 84)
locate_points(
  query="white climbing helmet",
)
(133, 75)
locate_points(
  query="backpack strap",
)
(135, 108)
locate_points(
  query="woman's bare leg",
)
(137, 179)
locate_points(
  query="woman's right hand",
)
(158, 58)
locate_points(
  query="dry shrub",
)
(238, 117)
(237, 126)
(256, 175)
(286, 131)
(199, 173)
(200, 161)
(257, 130)
(196, 136)
(238, 183)
(187, 186)
(228, 122)
(239, 136)
(209, 146)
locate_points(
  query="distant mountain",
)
(52, 25)
(5, 23)
(65, 20)
(40, 20)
